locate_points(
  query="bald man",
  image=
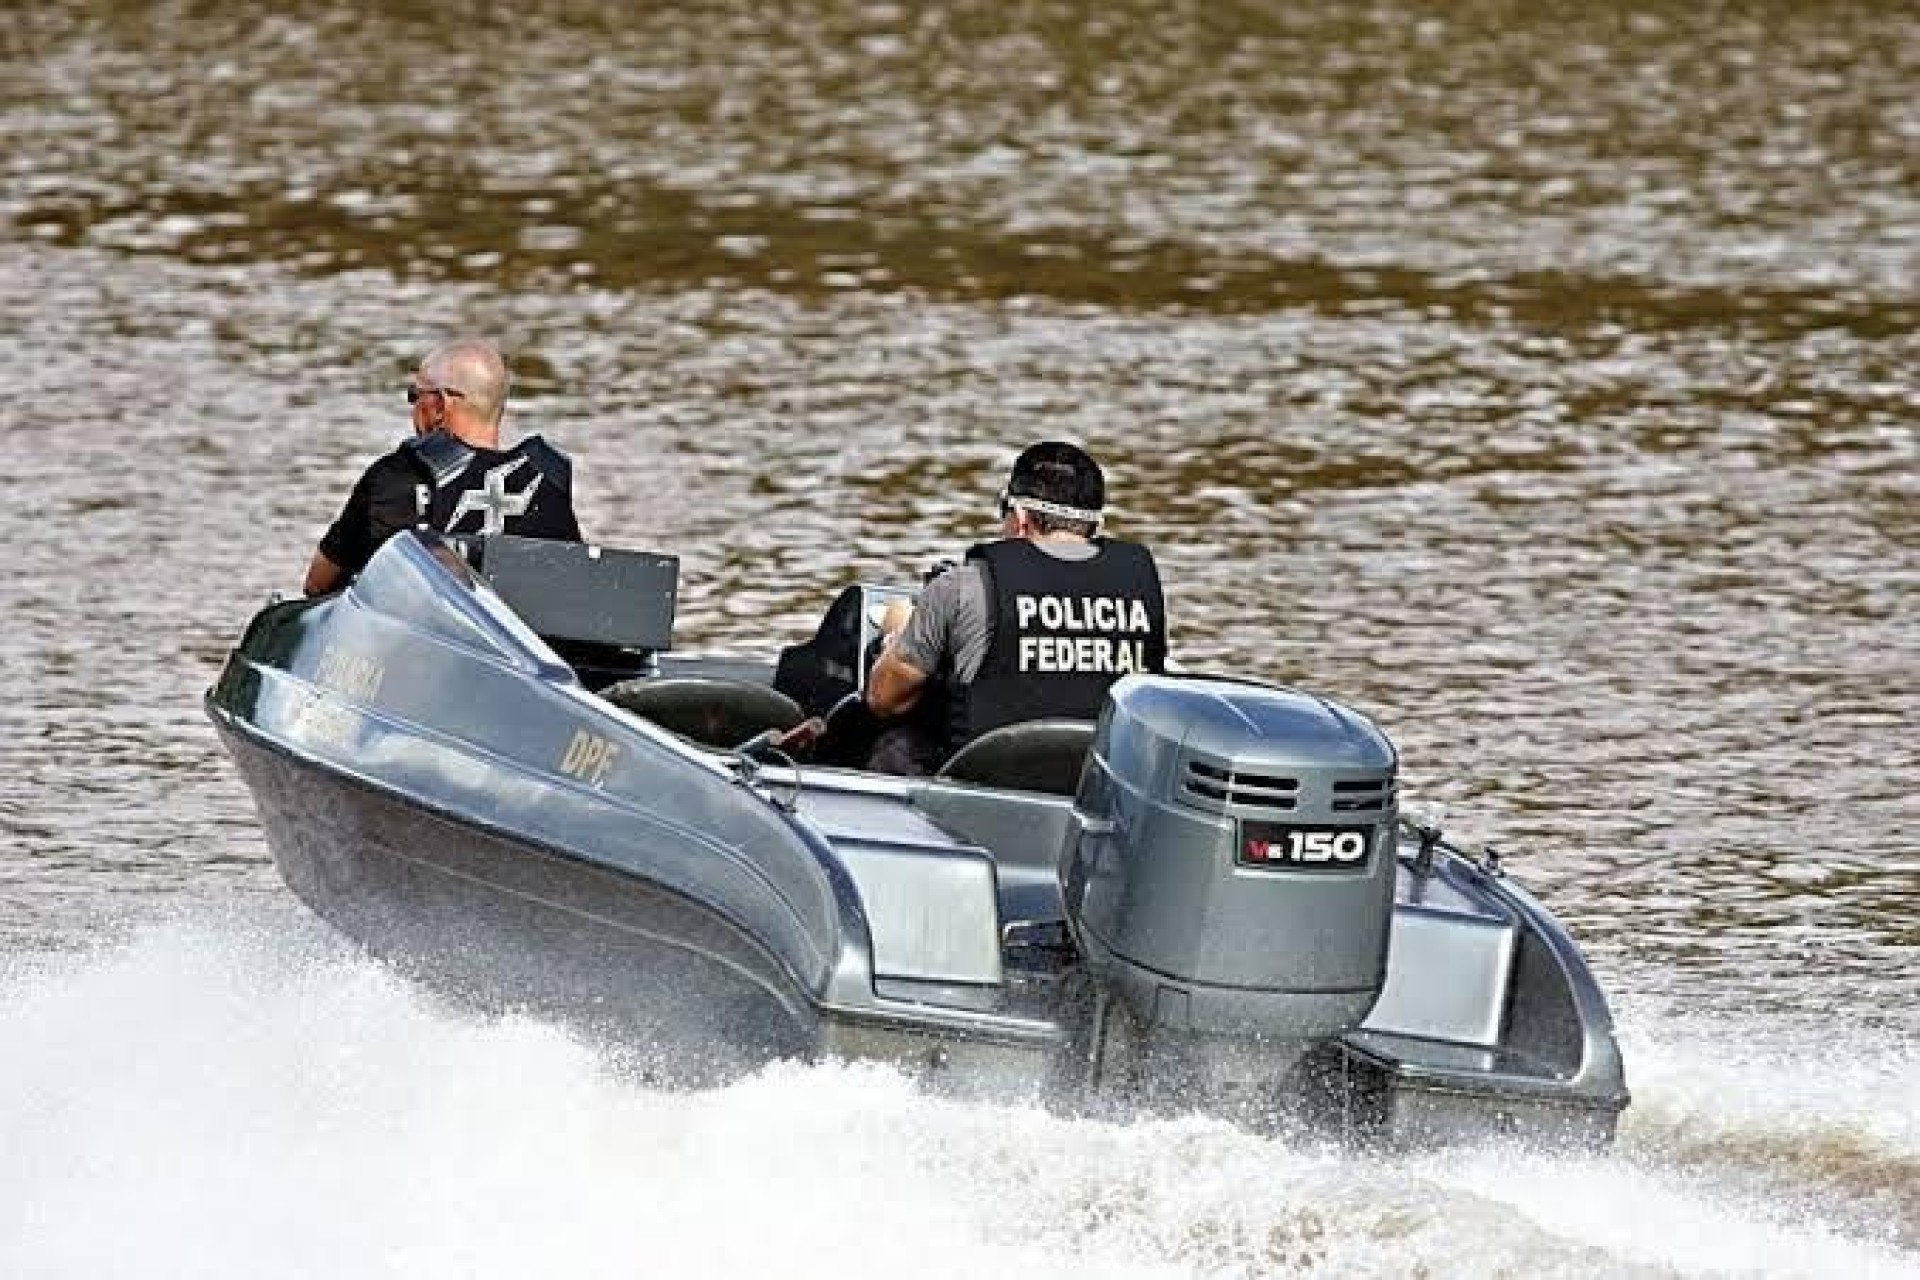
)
(452, 475)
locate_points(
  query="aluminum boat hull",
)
(437, 784)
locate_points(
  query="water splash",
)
(247, 1096)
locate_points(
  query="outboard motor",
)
(1229, 877)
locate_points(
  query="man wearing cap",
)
(1034, 625)
(451, 475)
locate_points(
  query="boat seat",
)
(705, 709)
(1033, 755)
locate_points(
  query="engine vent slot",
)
(1365, 795)
(1213, 787)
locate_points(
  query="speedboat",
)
(486, 763)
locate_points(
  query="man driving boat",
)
(1036, 624)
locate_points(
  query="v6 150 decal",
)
(1275, 847)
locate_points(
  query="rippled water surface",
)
(1539, 380)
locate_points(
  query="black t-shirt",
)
(525, 490)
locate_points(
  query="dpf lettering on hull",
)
(588, 757)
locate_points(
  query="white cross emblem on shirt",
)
(494, 501)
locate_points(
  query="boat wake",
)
(250, 1096)
(1792, 1114)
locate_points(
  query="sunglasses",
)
(414, 392)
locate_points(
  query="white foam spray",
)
(213, 1098)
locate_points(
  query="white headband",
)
(1054, 509)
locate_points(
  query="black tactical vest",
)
(1062, 631)
(525, 490)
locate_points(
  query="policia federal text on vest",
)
(1061, 632)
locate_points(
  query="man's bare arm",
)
(894, 685)
(323, 575)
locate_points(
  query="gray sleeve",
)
(947, 635)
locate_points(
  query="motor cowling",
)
(1231, 865)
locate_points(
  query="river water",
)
(1540, 380)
